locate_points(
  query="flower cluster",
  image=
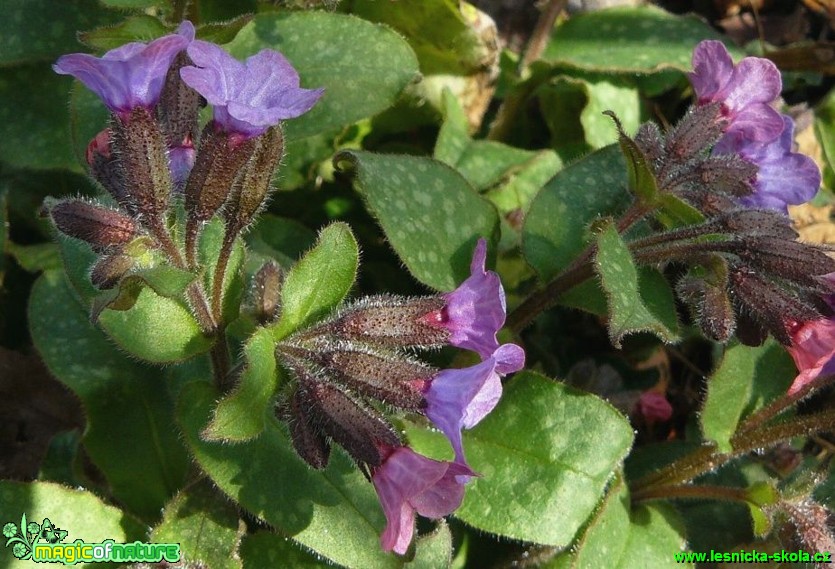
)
(752, 129)
(152, 153)
(363, 354)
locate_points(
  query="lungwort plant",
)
(598, 340)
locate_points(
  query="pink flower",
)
(813, 351)
(654, 407)
(408, 483)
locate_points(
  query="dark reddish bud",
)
(811, 520)
(109, 270)
(219, 160)
(727, 173)
(388, 377)
(101, 227)
(142, 152)
(308, 440)
(706, 200)
(796, 262)
(651, 142)
(267, 292)
(106, 169)
(178, 104)
(358, 429)
(748, 330)
(772, 306)
(759, 222)
(249, 193)
(392, 321)
(695, 133)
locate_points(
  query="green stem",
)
(220, 272)
(781, 404)
(701, 492)
(541, 34)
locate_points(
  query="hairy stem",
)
(781, 404)
(702, 492)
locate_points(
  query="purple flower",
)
(745, 91)
(458, 399)
(475, 311)
(248, 97)
(653, 407)
(129, 76)
(783, 177)
(409, 483)
(180, 161)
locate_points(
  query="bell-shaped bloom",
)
(744, 91)
(129, 76)
(813, 351)
(408, 483)
(783, 177)
(247, 97)
(475, 311)
(459, 399)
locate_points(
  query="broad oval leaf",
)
(362, 66)
(555, 229)
(545, 455)
(430, 214)
(128, 405)
(319, 281)
(334, 512)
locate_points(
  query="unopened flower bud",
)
(249, 193)
(99, 226)
(761, 222)
(308, 440)
(700, 128)
(178, 105)
(106, 170)
(266, 288)
(357, 428)
(218, 162)
(142, 153)
(109, 270)
(796, 262)
(728, 174)
(392, 321)
(812, 523)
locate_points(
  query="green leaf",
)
(241, 415)
(280, 238)
(82, 514)
(430, 214)
(334, 512)
(825, 128)
(618, 535)
(34, 118)
(264, 549)
(135, 28)
(33, 258)
(555, 229)
(41, 30)
(641, 179)
(628, 40)
(438, 30)
(206, 526)
(434, 550)
(362, 66)
(135, 4)
(614, 94)
(546, 445)
(4, 234)
(319, 281)
(628, 311)
(156, 329)
(130, 432)
(729, 389)
(211, 241)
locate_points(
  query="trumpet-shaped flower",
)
(813, 351)
(459, 399)
(783, 177)
(745, 91)
(247, 97)
(129, 76)
(408, 483)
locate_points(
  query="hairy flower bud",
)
(308, 440)
(795, 262)
(391, 321)
(249, 193)
(219, 160)
(109, 270)
(99, 226)
(178, 105)
(266, 288)
(759, 222)
(106, 170)
(694, 134)
(140, 146)
(358, 429)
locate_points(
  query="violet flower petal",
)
(476, 309)
(407, 481)
(459, 399)
(248, 97)
(129, 76)
(712, 69)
